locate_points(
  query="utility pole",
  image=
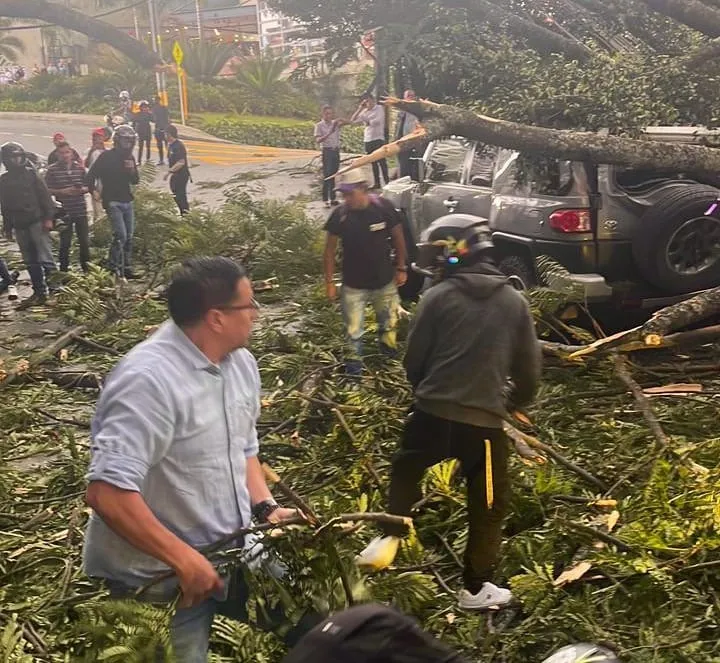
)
(159, 76)
(198, 15)
(136, 25)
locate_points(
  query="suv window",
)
(483, 166)
(447, 159)
(550, 177)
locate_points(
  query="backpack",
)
(370, 633)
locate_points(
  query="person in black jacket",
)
(161, 118)
(179, 169)
(116, 170)
(472, 332)
(143, 129)
(28, 211)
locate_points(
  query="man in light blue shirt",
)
(174, 462)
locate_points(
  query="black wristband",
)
(262, 510)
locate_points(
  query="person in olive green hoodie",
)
(472, 357)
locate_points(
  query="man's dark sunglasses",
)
(254, 304)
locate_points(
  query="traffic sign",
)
(177, 54)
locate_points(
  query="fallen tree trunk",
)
(440, 120)
(60, 14)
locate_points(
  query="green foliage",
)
(277, 132)
(204, 60)
(120, 632)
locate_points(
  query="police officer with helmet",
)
(473, 331)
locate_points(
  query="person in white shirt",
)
(96, 149)
(327, 135)
(372, 115)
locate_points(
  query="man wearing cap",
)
(53, 157)
(368, 227)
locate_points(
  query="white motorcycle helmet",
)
(124, 95)
(583, 653)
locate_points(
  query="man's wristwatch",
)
(262, 510)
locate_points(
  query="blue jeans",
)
(36, 249)
(385, 303)
(122, 220)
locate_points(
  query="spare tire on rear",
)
(677, 246)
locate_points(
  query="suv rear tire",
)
(677, 247)
(520, 267)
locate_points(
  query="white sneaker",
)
(379, 553)
(490, 597)
(12, 292)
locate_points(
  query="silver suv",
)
(639, 238)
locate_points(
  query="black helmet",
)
(583, 653)
(124, 137)
(13, 156)
(451, 240)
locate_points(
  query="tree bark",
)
(71, 19)
(693, 13)
(439, 120)
(700, 307)
(654, 332)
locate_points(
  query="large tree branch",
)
(692, 13)
(97, 30)
(704, 54)
(439, 120)
(538, 38)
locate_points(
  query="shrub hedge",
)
(274, 132)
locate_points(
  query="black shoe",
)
(160, 163)
(32, 302)
(334, 203)
(387, 351)
(130, 275)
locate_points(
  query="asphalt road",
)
(35, 134)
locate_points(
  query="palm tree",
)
(204, 60)
(10, 45)
(262, 77)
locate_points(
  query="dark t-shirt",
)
(365, 234)
(178, 152)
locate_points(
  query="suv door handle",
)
(451, 204)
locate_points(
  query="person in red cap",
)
(59, 137)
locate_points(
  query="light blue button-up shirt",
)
(177, 429)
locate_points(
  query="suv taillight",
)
(571, 221)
